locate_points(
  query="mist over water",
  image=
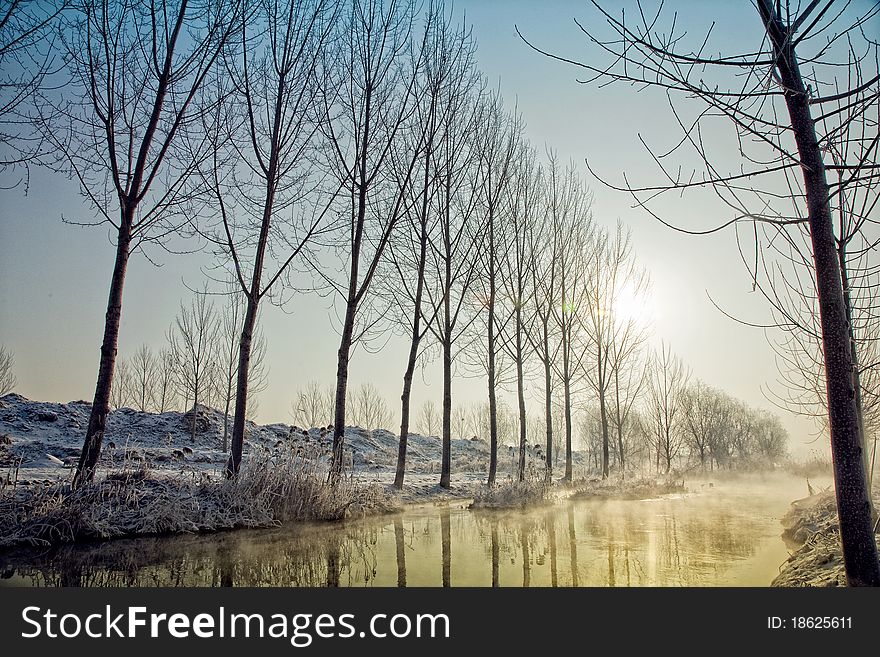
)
(723, 532)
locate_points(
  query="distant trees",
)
(312, 405)
(193, 338)
(427, 421)
(7, 370)
(143, 378)
(368, 409)
(667, 383)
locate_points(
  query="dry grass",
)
(629, 489)
(513, 494)
(133, 501)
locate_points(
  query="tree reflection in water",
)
(708, 539)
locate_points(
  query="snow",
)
(38, 430)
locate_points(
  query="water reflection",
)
(725, 535)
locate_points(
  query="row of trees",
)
(358, 141)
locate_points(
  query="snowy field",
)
(41, 441)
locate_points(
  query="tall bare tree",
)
(518, 277)
(453, 256)
(448, 73)
(369, 103)
(667, 384)
(262, 170)
(569, 210)
(497, 138)
(134, 70)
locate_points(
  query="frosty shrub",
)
(271, 488)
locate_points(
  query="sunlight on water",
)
(727, 533)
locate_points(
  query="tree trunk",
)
(226, 416)
(233, 465)
(520, 396)
(91, 449)
(195, 410)
(490, 323)
(548, 403)
(404, 412)
(445, 459)
(853, 505)
(619, 422)
(343, 356)
(415, 337)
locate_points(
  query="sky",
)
(54, 276)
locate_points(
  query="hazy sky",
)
(54, 277)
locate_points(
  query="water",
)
(725, 534)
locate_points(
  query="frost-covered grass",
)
(626, 489)
(513, 494)
(135, 500)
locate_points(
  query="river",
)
(723, 532)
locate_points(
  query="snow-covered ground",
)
(35, 435)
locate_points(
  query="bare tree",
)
(134, 70)
(368, 408)
(453, 257)
(667, 384)
(544, 244)
(261, 173)
(166, 373)
(570, 216)
(370, 100)
(613, 329)
(122, 386)
(193, 338)
(785, 122)
(143, 368)
(704, 412)
(312, 405)
(448, 74)
(7, 370)
(428, 419)
(497, 138)
(518, 277)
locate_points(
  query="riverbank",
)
(811, 530)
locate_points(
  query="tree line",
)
(356, 142)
